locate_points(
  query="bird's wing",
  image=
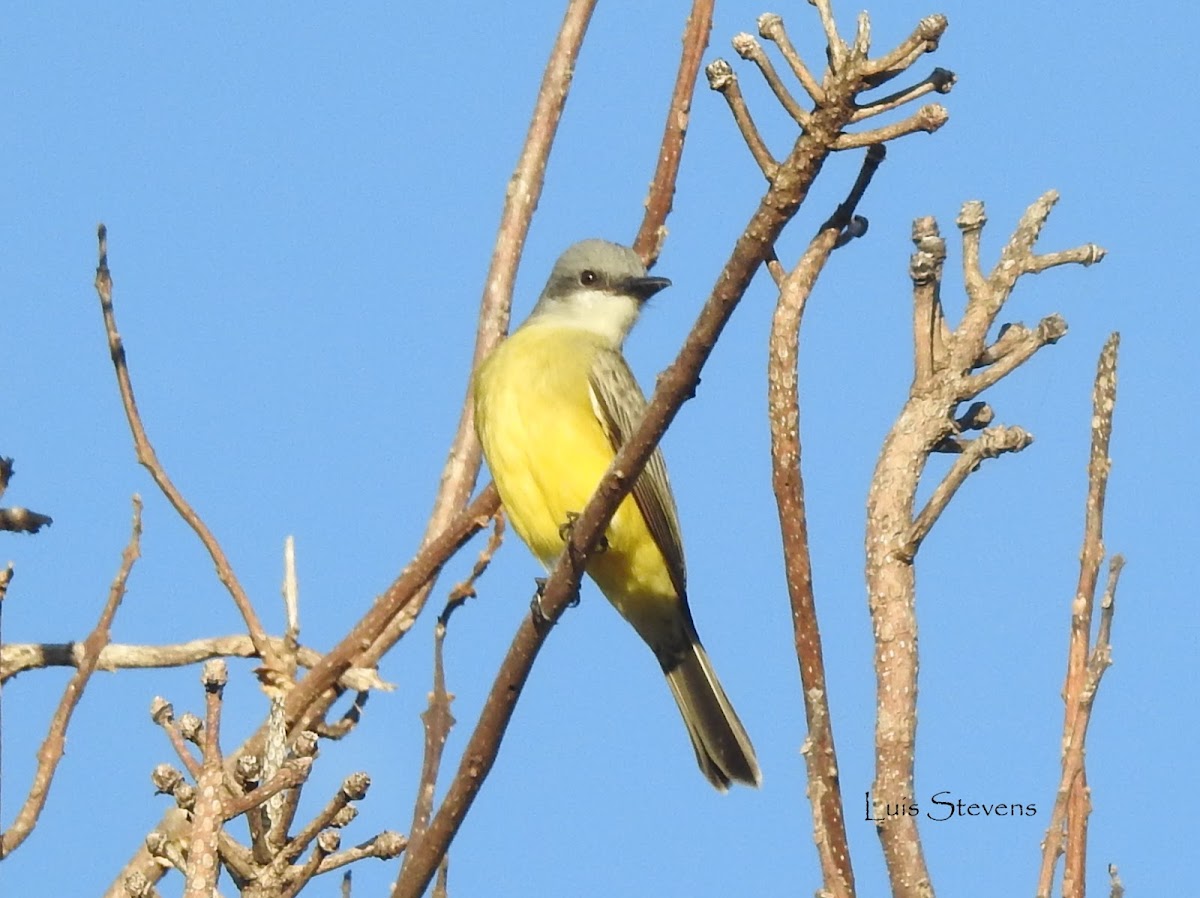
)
(619, 405)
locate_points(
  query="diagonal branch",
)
(524, 190)
(55, 742)
(748, 48)
(924, 39)
(653, 231)
(147, 457)
(770, 27)
(991, 443)
(722, 79)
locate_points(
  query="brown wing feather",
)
(619, 405)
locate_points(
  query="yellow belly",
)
(547, 452)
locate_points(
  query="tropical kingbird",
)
(553, 404)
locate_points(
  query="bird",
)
(553, 403)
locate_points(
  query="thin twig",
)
(835, 47)
(293, 773)
(722, 79)
(354, 788)
(54, 745)
(22, 656)
(163, 714)
(748, 48)
(939, 81)
(991, 443)
(649, 241)
(524, 191)
(147, 457)
(1080, 651)
(437, 719)
(928, 119)
(770, 26)
(924, 39)
(384, 846)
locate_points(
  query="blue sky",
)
(301, 203)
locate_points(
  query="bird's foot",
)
(540, 617)
(564, 533)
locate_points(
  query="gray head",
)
(599, 286)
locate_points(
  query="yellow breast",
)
(547, 452)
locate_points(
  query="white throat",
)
(609, 316)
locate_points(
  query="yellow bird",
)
(553, 403)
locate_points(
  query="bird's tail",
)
(723, 749)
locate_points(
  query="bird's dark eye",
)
(587, 277)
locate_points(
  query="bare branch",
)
(924, 39)
(929, 326)
(293, 773)
(748, 48)
(354, 788)
(315, 692)
(1081, 655)
(1073, 779)
(927, 118)
(991, 443)
(770, 27)
(824, 792)
(835, 47)
(147, 457)
(722, 79)
(938, 81)
(384, 846)
(945, 363)
(1019, 348)
(18, 657)
(653, 231)
(54, 744)
(163, 714)
(1116, 887)
(437, 720)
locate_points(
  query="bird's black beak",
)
(644, 287)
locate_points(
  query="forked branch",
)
(950, 367)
